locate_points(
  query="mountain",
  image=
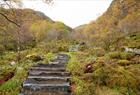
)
(80, 27)
(121, 18)
(35, 28)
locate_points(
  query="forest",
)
(104, 54)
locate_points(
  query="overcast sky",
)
(72, 12)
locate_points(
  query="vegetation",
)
(101, 66)
(107, 77)
(14, 84)
(113, 69)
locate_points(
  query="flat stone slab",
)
(50, 65)
(61, 61)
(48, 69)
(28, 92)
(42, 81)
(54, 62)
(47, 87)
(48, 73)
(49, 77)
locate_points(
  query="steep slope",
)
(119, 12)
(110, 62)
(35, 28)
(121, 18)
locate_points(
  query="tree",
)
(39, 30)
(14, 18)
(61, 30)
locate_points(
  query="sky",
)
(71, 12)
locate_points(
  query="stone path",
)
(48, 79)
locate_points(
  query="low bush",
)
(114, 55)
(126, 55)
(123, 62)
(121, 55)
(34, 57)
(105, 79)
(74, 66)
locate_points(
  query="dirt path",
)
(48, 79)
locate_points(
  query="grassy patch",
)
(107, 77)
(120, 55)
(14, 85)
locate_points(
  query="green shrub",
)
(50, 56)
(34, 57)
(7, 57)
(125, 55)
(57, 46)
(2, 49)
(13, 86)
(111, 76)
(83, 87)
(124, 62)
(114, 55)
(120, 55)
(74, 66)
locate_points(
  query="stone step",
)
(50, 65)
(62, 58)
(48, 78)
(28, 92)
(48, 68)
(50, 73)
(61, 61)
(43, 75)
(63, 55)
(65, 87)
(45, 81)
(54, 62)
(58, 60)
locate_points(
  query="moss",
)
(124, 62)
(114, 55)
(49, 57)
(74, 66)
(121, 55)
(7, 57)
(125, 55)
(134, 40)
(34, 57)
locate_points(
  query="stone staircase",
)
(48, 79)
